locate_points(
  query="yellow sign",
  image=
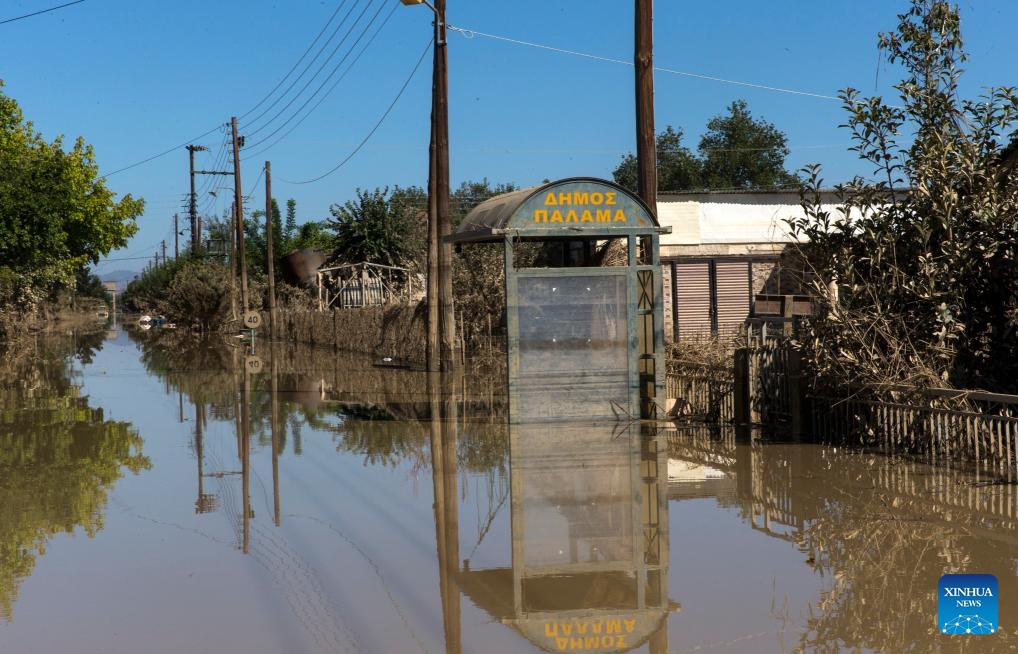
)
(601, 208)
(586, 635)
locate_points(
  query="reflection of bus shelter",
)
(585, 340)
(589, 529)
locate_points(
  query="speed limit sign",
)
(252, 320)
(253, 364)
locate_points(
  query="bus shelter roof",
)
(577, 207)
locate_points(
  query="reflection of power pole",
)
(193, 204)
(274, 426)
(444, 482)
(245, 448)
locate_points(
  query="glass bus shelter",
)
(584, 312)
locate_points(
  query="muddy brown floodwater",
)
(162, 496)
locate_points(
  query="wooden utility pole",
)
(440, 224)
(192, 205)
(239, 211)
(176, 237)
(268, 250)
(164, 254)
(646, 147)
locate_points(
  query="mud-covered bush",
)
(199, 296)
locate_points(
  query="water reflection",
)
(590, 552)
(382, 480)
(877, 532)
(59, 456)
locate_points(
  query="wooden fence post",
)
(797, 402)
(788, 314)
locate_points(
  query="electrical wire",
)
(255, 185)
(161, 154)
(331, 74)
(324, 96)
(470, 33)
(373, 129)
(42, 11)
(297, 63)
(254, 121)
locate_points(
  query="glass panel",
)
(577, 505)
(574, 355)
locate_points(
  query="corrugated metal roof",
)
(756, 218)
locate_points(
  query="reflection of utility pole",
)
(274, 426)
(204, 503)
(444, 477)
(245, 456)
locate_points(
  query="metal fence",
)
(944, 425)
(701, 391)
(766, 387)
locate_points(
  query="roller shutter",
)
(692, 299)
(732, 295)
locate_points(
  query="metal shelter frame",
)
(589, 211)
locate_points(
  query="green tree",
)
(313, 234)
(290, 229)
(741, 152)
(919, 265)
(736, 152)
(678, 169)
(381, 227)
(57, 213)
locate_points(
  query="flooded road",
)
(170, 497)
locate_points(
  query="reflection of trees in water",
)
(373, 412)
(59, 458)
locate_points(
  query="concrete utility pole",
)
(193, 203)
(441, 334)
(176, 237)
(269, 267)
(164, 254)
(646, 146)
(440, 173)
(239, 211)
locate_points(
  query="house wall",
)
(723, 250)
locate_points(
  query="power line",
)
(286, 91)
(161, 154)
(324, 96)
(469, 33)
(373, 129)
(297, 63)
(364, 31)
(255, 185)
(43, 11)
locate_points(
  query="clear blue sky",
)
(138, 78)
